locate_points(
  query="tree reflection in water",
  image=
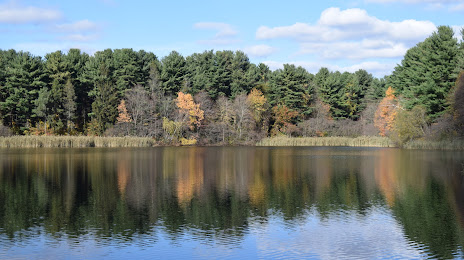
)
(217, 194)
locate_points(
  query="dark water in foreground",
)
(239, 202)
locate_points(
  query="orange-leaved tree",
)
(190, 109)
(123, 115)
(386, 112)
(283, 117)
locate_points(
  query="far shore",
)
(132, 141)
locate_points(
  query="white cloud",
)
(335, 24)
(374, 67)
(355, 50)
(261, 50)
(226, 34)
(13, 14)
(350, 36)
(80, 31)
(79, 26)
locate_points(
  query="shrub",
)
(409, 125)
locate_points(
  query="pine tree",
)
(173, 73)
(291, 87)
(69, 104)
(24, 77)
(427, 73)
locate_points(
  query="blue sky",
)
(340, 35)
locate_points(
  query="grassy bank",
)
(74, 141)
(363, 141)
(95, 141)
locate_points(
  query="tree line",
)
(217, 97)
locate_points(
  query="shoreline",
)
(280, 141)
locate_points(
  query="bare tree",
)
(242, 117)
(225, 113)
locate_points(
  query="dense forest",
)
(222, 98)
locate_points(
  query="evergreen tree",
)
(201, 70)
(240, 66)
(144, 62)
(105, 96)
(291, 87)
(41, 109)
(127, 72)
(24, 76)
(58, 71)
(173, 73)
(355, 92)
(104, 108)
(223, 74)
(77, 64)
(330, 90)
(69, 104)
(428, 72)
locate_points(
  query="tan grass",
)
(363, 141)
(74, 141)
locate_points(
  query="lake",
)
(231, 202)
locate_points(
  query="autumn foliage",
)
(123, 115)
(283, 117)
(189, 108)
(386, 112)
(257, 101)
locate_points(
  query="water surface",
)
(231, 202)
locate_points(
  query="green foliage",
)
(427, 72)
(104, 107)
(74, 92)
(173, 73)
(329, 87)
(202, 72)
(24, 76)
(240, 82)
(172, 130)
(77, 64)
(291, 87)
(409, 125)
(41, 109)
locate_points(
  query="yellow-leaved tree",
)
(386, 112)
(258, 104)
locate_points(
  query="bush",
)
(348, 128)
(321, 127)
(409, 125)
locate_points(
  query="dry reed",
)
(363, 141)
(74, 141)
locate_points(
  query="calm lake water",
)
(231, 202)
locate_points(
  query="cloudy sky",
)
(341, 35)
